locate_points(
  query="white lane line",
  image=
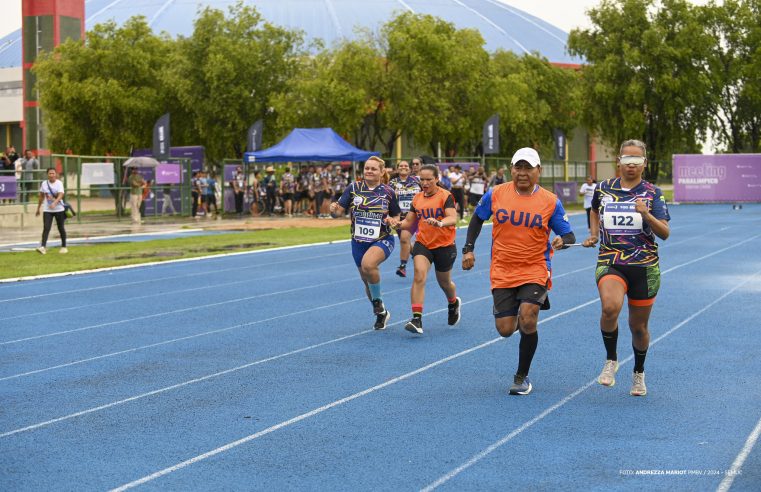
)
(504, 440)
(336, 403)
(50, 278)
(169, 293)
(174, 386)
(96, 239)
(278, 276)
(710, 254)
(112, 354)
(176, 311)
(155, 280)
(209, 376)
(87, 411)
(221, 256)
(220, 330)
(158, 264)
(737, 465)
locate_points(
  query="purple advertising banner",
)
(717, 178)
(195, 153)
(229, 171)
(566, 191)
(8, 187)
(466, 166)
(168, 174)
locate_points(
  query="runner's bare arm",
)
(449, 220)
(409, 222)
(660, 227)
(594, 229)
(336, 210)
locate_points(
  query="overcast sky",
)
(565, 14)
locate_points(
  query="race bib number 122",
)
(620, 218)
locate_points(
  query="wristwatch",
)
(468, 248)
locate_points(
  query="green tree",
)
(342, 88)
(734, 70)
(226, 72)
(533, 97)
(645, 78)
(437, 80)
(104, 94)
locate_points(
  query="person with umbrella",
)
(136, 185)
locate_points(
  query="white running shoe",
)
(41, 250)
(608, 375)
(638, 385)
(63, 251)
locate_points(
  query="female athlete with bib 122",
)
(627, 213)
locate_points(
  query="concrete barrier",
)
(13, 216)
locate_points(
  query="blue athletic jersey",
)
(405, 190)
(625, 238)
(369, 208)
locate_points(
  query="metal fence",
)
(97, 201)
(110, 201)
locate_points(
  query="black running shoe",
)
(415, 325)
(402, 271)
(381, 315)
(381, 320)
(454, 312)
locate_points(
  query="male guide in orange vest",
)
(521, 270)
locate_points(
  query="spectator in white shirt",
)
(51, 202)
(457, 178)
(588, 190)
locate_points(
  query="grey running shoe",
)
(415, 325)
(454, 312)
(521, 385)
(638, 385)
(608, 375)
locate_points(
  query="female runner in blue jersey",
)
(406, 186)
(371, 203)
(628, 213)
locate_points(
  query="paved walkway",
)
(165, 227)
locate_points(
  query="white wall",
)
(11, 95)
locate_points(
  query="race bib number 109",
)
(367, 229)
(621, 218)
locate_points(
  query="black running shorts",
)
(641, 282)
(441, 258)
(507, 301)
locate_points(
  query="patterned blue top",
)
(405, 190)
(625, 238)
(369, 208)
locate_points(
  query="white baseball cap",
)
(526, 154)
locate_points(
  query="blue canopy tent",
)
(310, 144)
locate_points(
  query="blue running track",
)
(262, 371)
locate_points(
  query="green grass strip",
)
(88, 256)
